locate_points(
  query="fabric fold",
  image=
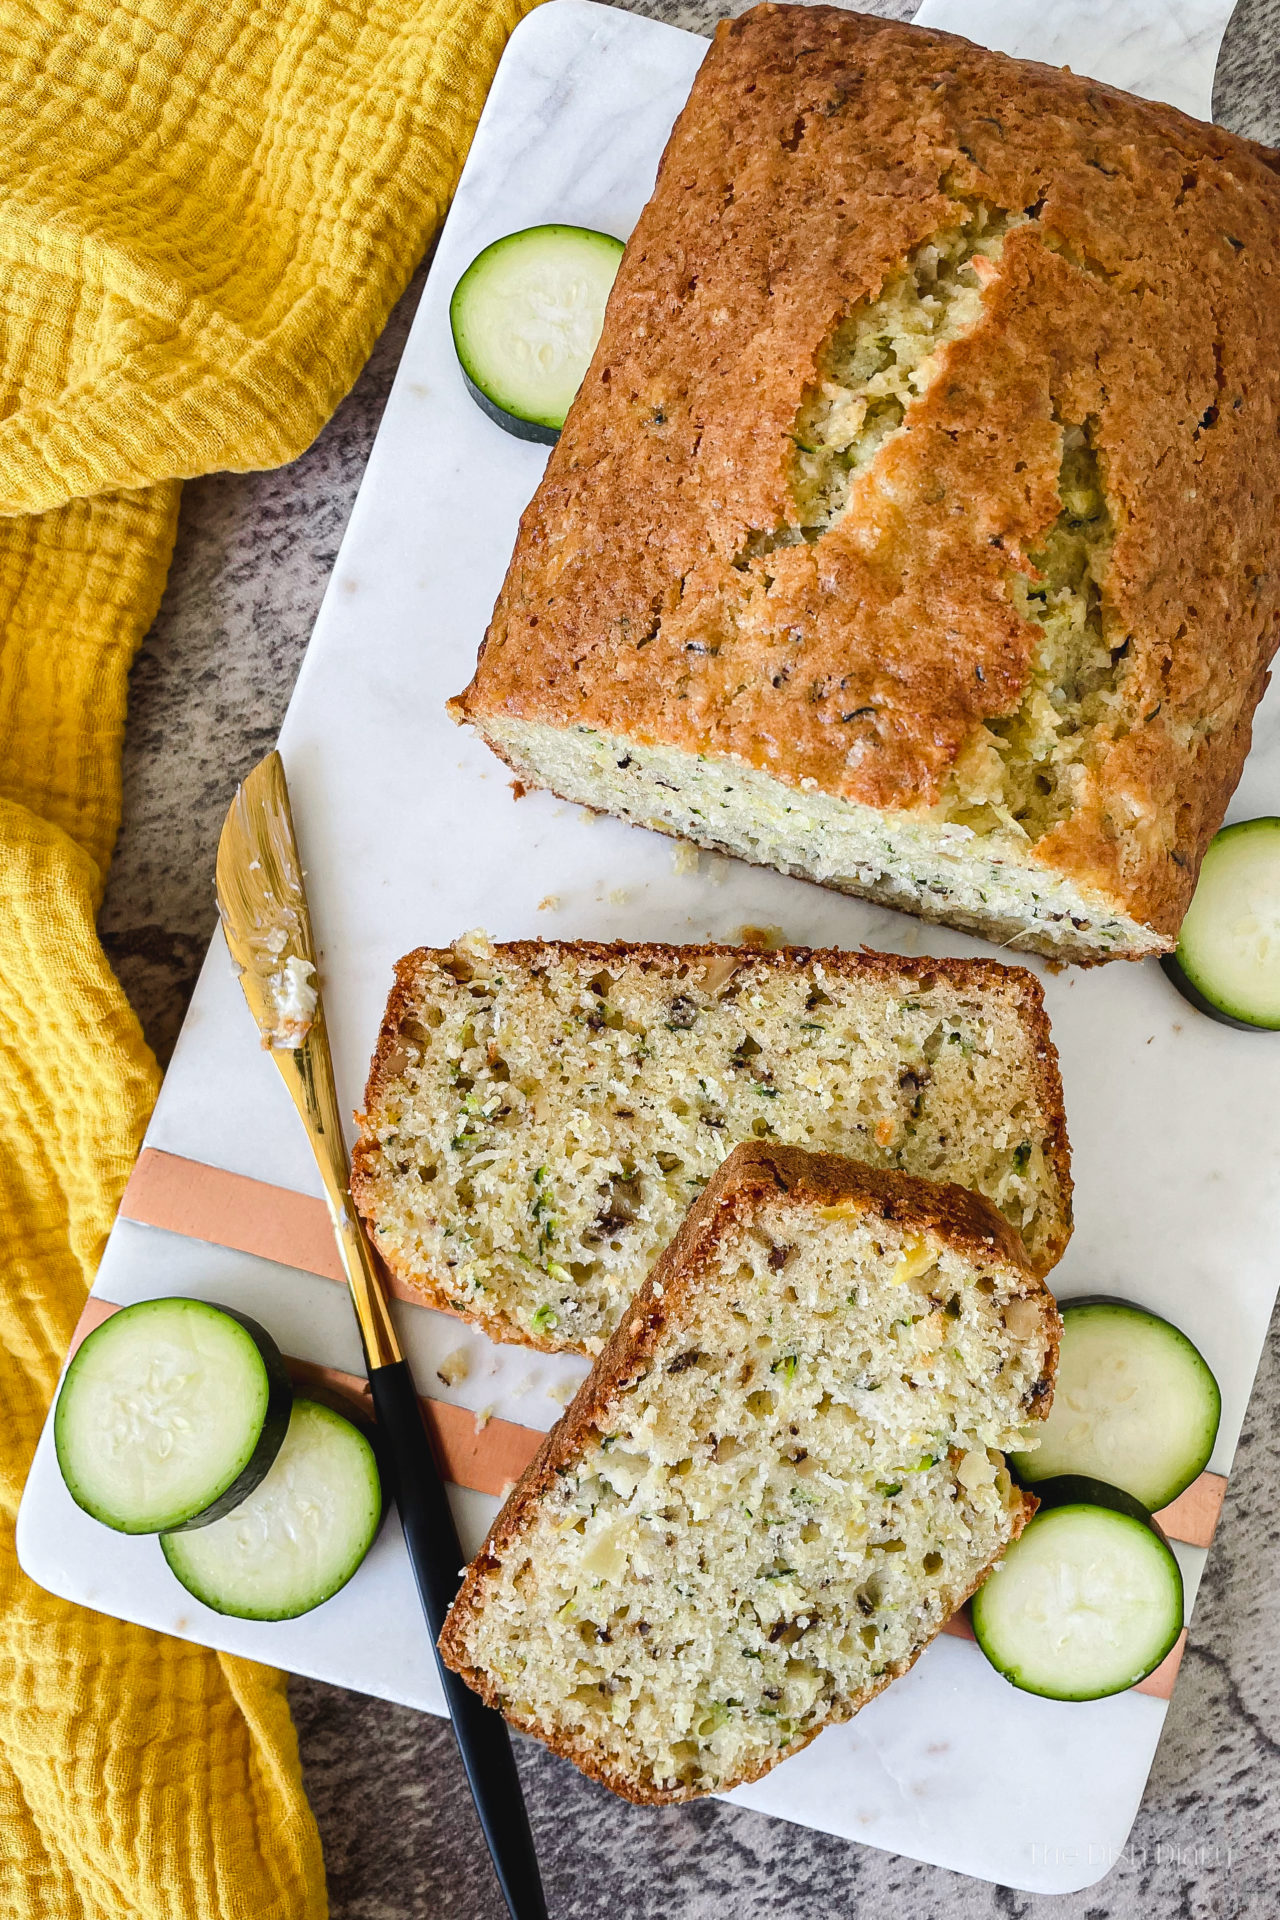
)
(206, 214)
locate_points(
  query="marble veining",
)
(399, 1835)
(1166, 51)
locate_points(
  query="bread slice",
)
(539, 1116)
(781, 1478)
(916, 528)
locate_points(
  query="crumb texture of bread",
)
(782, 1477)
(539, 1116)
(917, 526)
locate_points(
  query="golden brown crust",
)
(988, 978)
(753, 1173)
(818, 149)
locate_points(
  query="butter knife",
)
(263, 904)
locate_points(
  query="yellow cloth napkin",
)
(207, 208)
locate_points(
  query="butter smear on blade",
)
(293, 1001)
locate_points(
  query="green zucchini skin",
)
(1191, 993)
(349, 1407)
(255, 1455)
(243, 1568)
(1082, 1490)
(1156, 1474)
(525, 318)
(511, 423)
(1213, 967)
(274, 1426)
(998, 1631)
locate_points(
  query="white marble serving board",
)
(411, 834)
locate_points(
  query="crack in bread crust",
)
(866, 666)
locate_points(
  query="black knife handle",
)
(436, 1558)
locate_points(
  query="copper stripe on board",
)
(249, 1216)
(1159, 1683)
(234, 1210)
(488, 1458)
(491, 1458)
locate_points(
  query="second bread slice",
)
(541, 1115)
(779, 1481)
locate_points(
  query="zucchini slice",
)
(526, 316)
(170, 1414)
(300, 1535)
(1228, 958)
(1135, 1405)
(1087, 1601)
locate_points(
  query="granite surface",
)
(208, 692)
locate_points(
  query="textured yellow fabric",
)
(207, 208)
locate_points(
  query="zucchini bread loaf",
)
(917, 526)
(781, 1478)
(539, 1116)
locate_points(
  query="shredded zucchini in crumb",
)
(761, 1536)
(601, 1100)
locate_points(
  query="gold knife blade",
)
(263, 905)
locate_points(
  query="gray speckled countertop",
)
(207, 696)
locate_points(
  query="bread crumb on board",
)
(454, 1367)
